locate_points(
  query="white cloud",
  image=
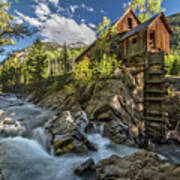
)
(73, 8)
(59, 29)
(18, 20)
(42, 11)
(102, 11)
(32, 21)
(92, 25)
(83, 20)
(90, 9)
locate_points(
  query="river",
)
(24, 156)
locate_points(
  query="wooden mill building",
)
(143, 45)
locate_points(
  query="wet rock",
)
(87, 170)
(174, 135)
(141, 165)
(10, 127)
(76, 142)
(1, 176)
(67, 133)
(81, 120)
(66, 145)
(64, 124)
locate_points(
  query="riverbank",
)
(29, 155)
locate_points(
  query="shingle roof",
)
(139, 28)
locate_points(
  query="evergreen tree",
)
(66, 66)
(36, 65)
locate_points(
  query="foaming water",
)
(24, 159)
(107, 148)
(28, 158)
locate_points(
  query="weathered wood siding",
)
(162, 37)
(134, 45)
(122, 25)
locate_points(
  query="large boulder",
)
(66, 123)
(67, 133)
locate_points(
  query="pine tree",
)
(66, 66)
(36, 65)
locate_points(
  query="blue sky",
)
(70, 20)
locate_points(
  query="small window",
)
(152, 35)
(152, 38)
(134, 41)
(130, 23)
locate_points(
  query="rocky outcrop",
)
(114, 104)
(67, 133)
(141, 165)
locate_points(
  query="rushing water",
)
(26, 158)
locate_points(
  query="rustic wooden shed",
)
(125, 23)
(150, 36)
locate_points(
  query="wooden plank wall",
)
(162, 37)
(130, 49)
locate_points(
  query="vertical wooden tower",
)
(155, 115)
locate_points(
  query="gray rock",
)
(87, 170)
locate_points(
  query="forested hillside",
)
(173, 61)
(43, 62)
(174, 21)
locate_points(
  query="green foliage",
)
(146, 8)
(5, 24)
(172, 63)
(65, 59)
(170, 92)
(36, 63)
(105, 67)
(103, 30)
(70, 88)
(88, 70)
(128, 82)
(8, 28)
(174, 21)
(83, 71)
